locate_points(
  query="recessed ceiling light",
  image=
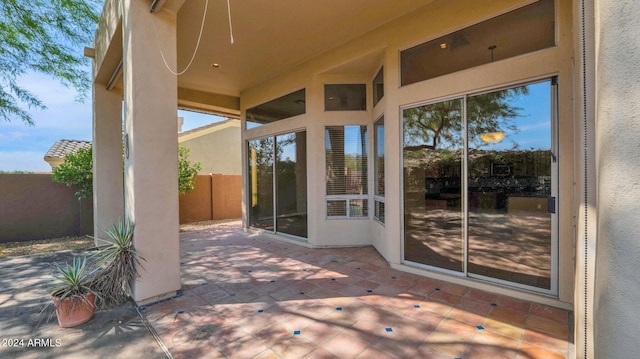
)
(443, 45)
(215, 65)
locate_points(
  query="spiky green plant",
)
(119, 260)
(74, 282)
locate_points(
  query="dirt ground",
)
(14, 249)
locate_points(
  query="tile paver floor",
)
(248, 296)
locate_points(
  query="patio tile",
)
(547, 312)
(245, 347)
(457, 327)
(345, 346)
(321, 353)
(293, 346)
(508, 315)
(529, 351)
(446, 343)
(545, 340)
(552, 327)
(250, 297)
(502, 328)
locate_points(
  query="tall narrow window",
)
(378, 169)
(346, 174)
(378, 87)
(261, 183)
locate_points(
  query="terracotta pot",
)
(72, 312)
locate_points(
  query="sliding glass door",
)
(480, 176)
(278, 183)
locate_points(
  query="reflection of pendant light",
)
(492, 137)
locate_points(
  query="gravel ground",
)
(14, 249)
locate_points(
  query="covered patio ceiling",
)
(270, 37)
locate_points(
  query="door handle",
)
(551, 205)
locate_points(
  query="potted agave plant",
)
(73, 298)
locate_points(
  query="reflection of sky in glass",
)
(352, 140)
(534, 122)
(380, 136)
(289, 150)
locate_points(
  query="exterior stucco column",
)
(108, 196)
(617, 278)
(151, 146)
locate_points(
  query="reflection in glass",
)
(433, 145)
(290, 105)
(509, 184)
(291, 177)
(261, 183)
(527, 29)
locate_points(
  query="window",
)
(378, 169)
(290, 105)
(278, 183)
(346, 171)
(517, 32)
(378, 87)
(345, 97)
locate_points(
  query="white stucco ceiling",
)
(271, 36)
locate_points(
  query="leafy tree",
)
(43, 36)
(186, 170)
(77, 170)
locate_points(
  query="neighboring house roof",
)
(206, 129)
(56, 154)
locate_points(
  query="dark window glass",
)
(345, 97)
(378, 156)
(433, 146)
(290, 105)
(517, 32)
(291, 179)
(261, 183)
(378, 87)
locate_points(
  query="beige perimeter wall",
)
(32, 206)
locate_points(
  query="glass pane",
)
(433, 146)
(337, 208)
(517, 32)
(358, 208)
(346, 160)
(290, 105)
(345, 97)
(291, 177)
(261, 183)
(510, 184)
(378, 87)
(379, 211)
(378, 144)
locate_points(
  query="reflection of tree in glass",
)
(439, 125)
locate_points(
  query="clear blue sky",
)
(22, 147)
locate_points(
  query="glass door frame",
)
(555, 172)
(274, 184)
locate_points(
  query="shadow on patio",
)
(247, 296)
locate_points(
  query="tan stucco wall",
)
(218, 150)
(382, 46)
(617, 283)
